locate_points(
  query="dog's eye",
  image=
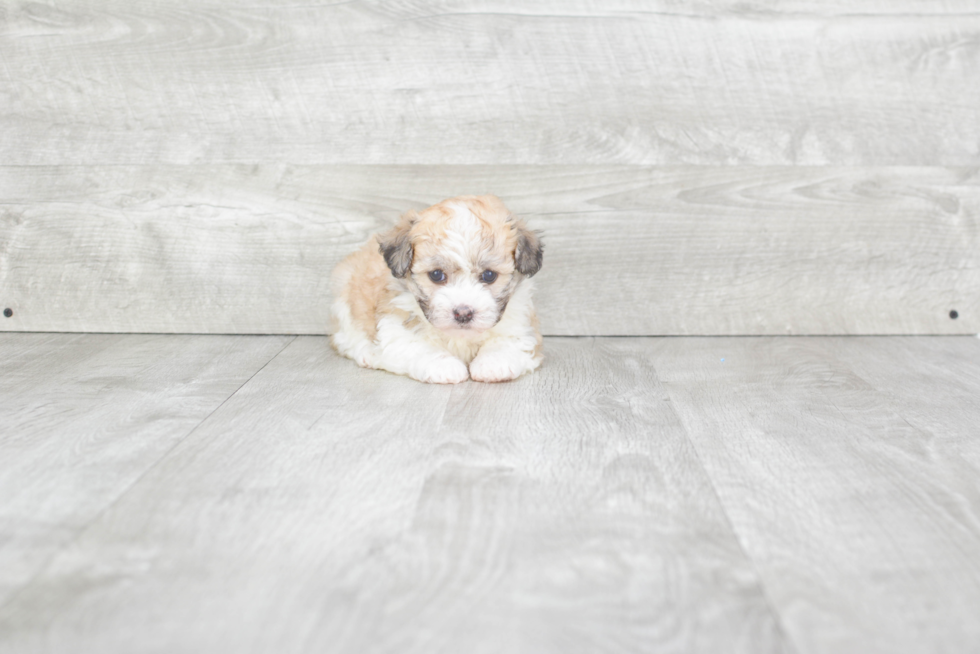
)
(488, 277)
(437, 276)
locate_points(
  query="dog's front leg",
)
(504, 358)
(405, 352)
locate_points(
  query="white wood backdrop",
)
(866, 82)
(698, 168)
(629, 250)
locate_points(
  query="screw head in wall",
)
(8, 312)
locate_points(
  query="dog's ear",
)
(530, 250)
(396, 246)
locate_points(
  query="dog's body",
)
(444, 296)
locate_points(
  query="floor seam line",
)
(81, 531)
(763, 589)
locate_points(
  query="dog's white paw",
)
(498, 366)
(443, 370)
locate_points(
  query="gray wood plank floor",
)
(864, 525)
(215, 493)
(83, 417)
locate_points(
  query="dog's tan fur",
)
(461, 236)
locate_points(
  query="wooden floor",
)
(260, 494)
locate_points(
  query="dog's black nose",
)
(463, 314)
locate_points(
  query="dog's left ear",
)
(530, 250)
(395, 246)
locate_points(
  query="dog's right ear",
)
(396, 246)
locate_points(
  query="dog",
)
(444, 296)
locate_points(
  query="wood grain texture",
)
(629, 250)
(858, 505)
(329, 508)
(947, 366)
(82, 417)
(481, 82)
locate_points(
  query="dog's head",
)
(462, 259)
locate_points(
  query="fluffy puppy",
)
(444, 296)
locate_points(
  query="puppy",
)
(444, 296)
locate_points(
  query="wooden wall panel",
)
(478, 82)
(630, 250)
(200, 166)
